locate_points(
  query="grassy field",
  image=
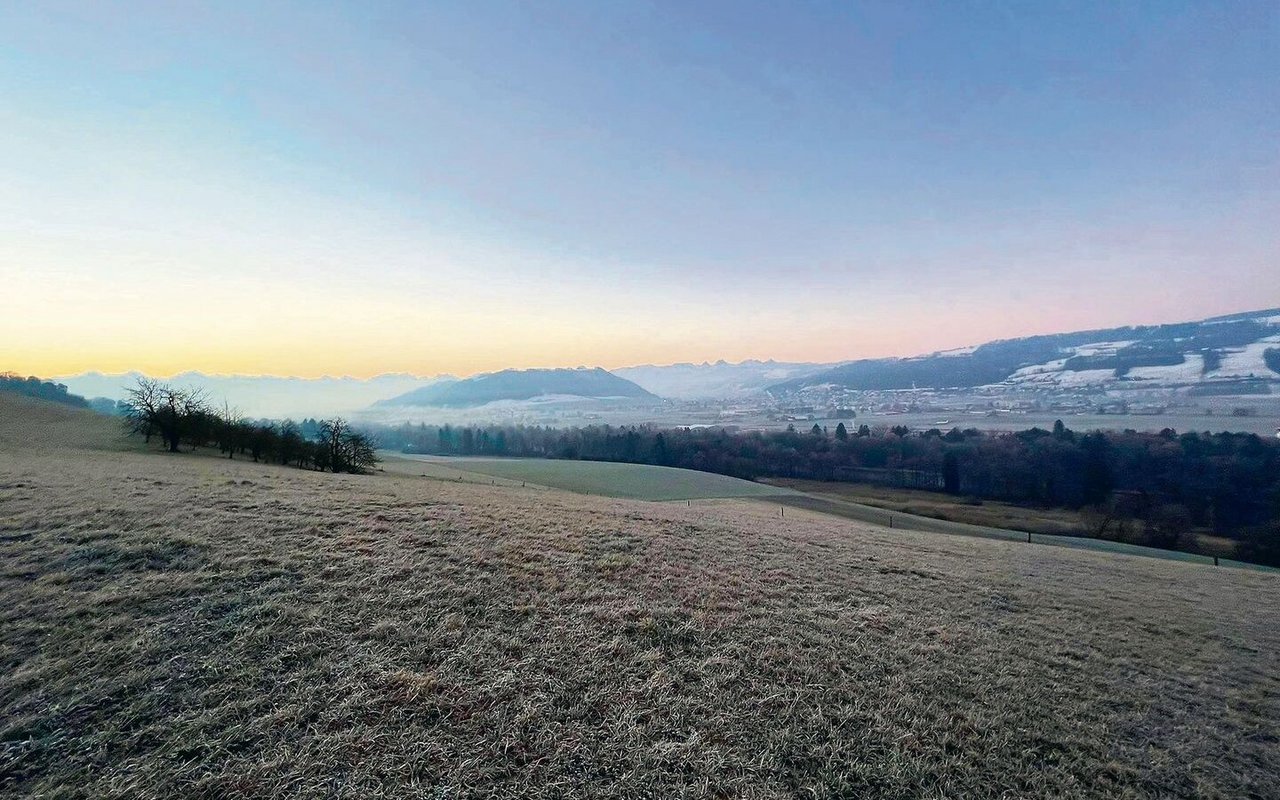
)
(913, 510)
(187, 626)
(632, 481)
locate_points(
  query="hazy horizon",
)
(362, 190)
(616, 367)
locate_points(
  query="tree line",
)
(1150, 488)
(41, 389)
(185, 417)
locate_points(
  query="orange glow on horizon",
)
(369, 350)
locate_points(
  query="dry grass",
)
(179, 626)
(27, 423)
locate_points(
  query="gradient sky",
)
(332, 188)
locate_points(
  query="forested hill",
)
(1221, 350)
(41, 389)
(524, 384)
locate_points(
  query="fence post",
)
(890, 521)
(1028, 537)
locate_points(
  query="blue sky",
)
(477, 185)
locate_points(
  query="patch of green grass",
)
(630, 481)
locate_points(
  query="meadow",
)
(632, 481)
(911, 510)
(181, 625)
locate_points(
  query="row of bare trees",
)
(186, 417)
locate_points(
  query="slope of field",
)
(631, 481)
(26, 422)
(186, 626)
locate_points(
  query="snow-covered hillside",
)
(1242, 362)
(1218, 355)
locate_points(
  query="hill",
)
(1230, 354)
(40, 389)
(186, 626)
(523, 384)
(30, 423)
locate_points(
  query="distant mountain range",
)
(265, 395)
(1238, 352)
(522, 385)
(717, 381)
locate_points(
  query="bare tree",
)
(180, 409)
(184, 415)
(143, 407)
(360, 453)
(343, 450)
(156, 407)
(292, 447)
(230, 429)
(264, 441)
(332, 436)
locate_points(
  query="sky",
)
(359, 188)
